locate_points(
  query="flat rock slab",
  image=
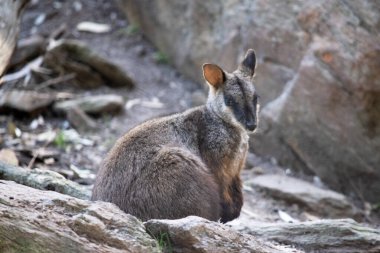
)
(95, 105)
(43, 179)
(327, 236)
(323, 202)
(195, 234)
(25, 101)
(32, 220)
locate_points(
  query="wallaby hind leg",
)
(179, 186)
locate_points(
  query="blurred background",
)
(84, 72)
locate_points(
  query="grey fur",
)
(184, 164)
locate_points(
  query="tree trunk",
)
(9, 26)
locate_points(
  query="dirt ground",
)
(164, 89)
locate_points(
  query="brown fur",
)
(188, 163)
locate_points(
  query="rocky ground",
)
(159, 90)
(73, 142)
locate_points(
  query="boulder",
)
(45, 221)
(91, 70)
(326, 203)
(317, 75)
(33, 220)
(195, 234)
(327, 236)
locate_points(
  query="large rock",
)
(195, 234)
(91, 70)
(318, 75)
(323, 202)
(33, 220)
(44, 221)
(327, 236)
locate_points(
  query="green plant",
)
(132, 29)
(128, 31)
(376, 207)
(60, 140)
(160, 57)
(164, 242)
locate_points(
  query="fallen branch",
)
(33, 160)
(53, 81)
(43, 180)
(24, 72)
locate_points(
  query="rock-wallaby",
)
(187, 163)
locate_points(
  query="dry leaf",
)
(8, 156)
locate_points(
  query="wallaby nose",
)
(251, 125)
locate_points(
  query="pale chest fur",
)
(238, 162)
(232, 165)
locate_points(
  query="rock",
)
(322, 202)
(44, 180)
(79, 119)
(95, 105)
(72, 56)
(195, 234)
(317, 75)
(9, 26)
(25, 100)
(44, 153)
(140, 50)
(8, 156)
(252, 161)
(327, 236)
(27, 49)
(44, 221)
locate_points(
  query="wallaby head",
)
(233, 96)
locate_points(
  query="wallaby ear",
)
(213, 74)
(248, 65)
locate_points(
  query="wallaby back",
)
(188, 163)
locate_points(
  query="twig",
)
(31, 163)
(25, 71)
(58, 33)
(56, 80)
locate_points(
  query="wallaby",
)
(187, 163)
